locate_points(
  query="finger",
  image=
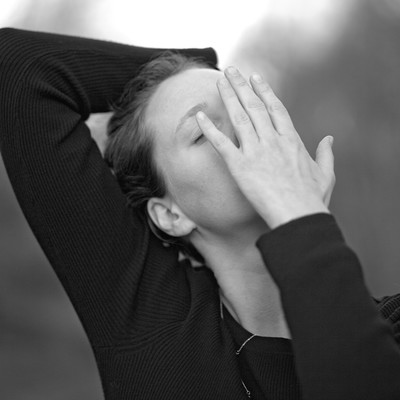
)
(241, 121)
(221, 143)
(324, 156)
(277, 111)
(252, 104)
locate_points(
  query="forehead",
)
(176, 95)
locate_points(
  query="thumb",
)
(324, 155)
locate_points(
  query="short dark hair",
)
(129, 145)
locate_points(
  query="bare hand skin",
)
(271, 166)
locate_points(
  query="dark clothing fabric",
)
(154, 323)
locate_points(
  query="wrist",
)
(289, 213)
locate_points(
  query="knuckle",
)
(229, 93)
(240, 82)
(264, 88)
(255, 105)
(241, 119)
(225, 88)
(276, 106)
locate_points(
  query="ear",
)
(168, 217)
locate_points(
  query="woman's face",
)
(197, 178)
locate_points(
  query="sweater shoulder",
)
(17, 46)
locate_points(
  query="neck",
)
(246, 288)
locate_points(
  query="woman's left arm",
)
(344, 348)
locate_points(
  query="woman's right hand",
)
(271, 166)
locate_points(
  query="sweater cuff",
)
(289, 246)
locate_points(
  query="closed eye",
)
(200, 135)
(198, 138)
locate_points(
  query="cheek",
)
(204, 189)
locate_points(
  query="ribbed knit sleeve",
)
(98, 247)
(344, 348)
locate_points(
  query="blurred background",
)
(336, 66)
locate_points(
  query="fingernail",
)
(200, 115)
(233, 71)
(257, 78)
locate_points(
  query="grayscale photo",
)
(200, 200)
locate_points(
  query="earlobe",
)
(168, 217)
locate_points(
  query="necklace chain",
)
(244, 344)
(247, 390)
(240, 348)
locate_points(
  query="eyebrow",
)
(191, 113)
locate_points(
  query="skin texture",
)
(199, 183)
(272, 166)
(248, 174)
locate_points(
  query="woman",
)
(279, 310)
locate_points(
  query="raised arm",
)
(344, 348)
(49, 85)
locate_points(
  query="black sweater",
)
(154, 323)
